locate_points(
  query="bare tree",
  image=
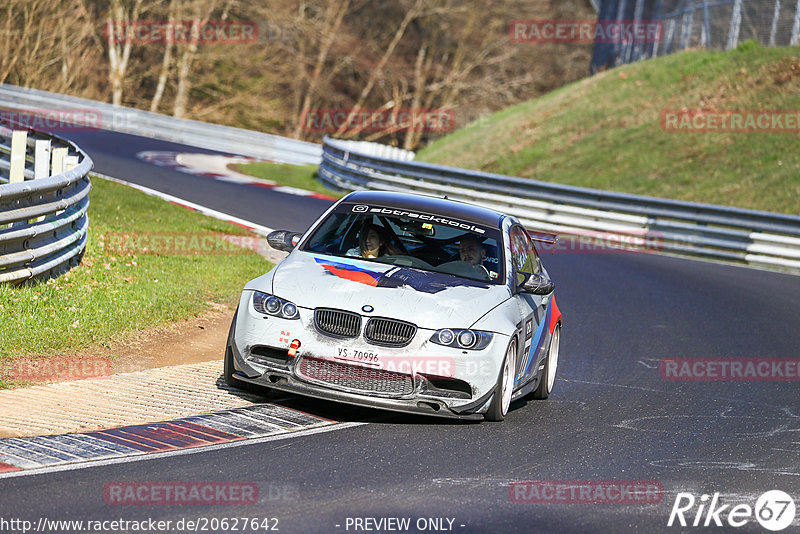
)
(333, 21)
(165, 60)
(119, 18)
(343, 54)
(200, 13)
(412, 13)
(37, 49)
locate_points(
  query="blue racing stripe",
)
(538, 337)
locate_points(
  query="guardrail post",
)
(41, 159)
(70, 162)
(41, 164)
(16, 172)
(67, 164)
(59, 154)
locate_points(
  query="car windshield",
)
(424, 241)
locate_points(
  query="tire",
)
(501, 399)
(545, 387)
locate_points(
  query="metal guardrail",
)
(43, 221)
(724, 233)
(155, 125)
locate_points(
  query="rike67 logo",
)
(774, 510)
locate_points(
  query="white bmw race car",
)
(402, 302)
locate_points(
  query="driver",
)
(372, 242)
(471, 251)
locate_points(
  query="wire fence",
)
(684, 24)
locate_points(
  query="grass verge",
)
(300, 176)
(605, 131)
(120, 288)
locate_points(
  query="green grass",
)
(116, 291)
(604, 131)
(300, 176)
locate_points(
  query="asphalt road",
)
(114, 154)
(611, 416)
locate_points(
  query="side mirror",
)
(284, 240)
(538, 284)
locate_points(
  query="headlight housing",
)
(271, 305)
(462, 338)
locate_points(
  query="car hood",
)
(429, 300)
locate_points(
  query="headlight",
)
(271, 305)
(446, 336)
(466, 339)
(462, 339)
(289, 310)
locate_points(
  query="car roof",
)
(428, 204)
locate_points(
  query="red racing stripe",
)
(555, 314)
(355, 276)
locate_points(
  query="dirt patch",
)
(194, 340)
(199, 339)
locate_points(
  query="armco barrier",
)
(189, 132)
(731, 234)
(44, 196)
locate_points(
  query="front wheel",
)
(501, 399)
(550, 367)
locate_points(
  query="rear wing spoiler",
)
(543, 237)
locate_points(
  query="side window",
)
(536, 262)
(523, 255)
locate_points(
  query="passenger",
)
(372, 242)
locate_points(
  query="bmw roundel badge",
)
(366, 308)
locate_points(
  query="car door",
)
(525, 262)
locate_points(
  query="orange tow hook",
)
(293, 346)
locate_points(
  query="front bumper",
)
(434, 407)
(476, 371)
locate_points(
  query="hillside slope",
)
(605, 131)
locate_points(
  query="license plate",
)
(352, 354)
